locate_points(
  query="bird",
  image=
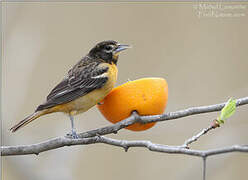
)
(85, 84)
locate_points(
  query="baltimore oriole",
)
(85, 85)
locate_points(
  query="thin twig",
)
(95, 136)
(189, 141)
(196, 137)
(204, 159)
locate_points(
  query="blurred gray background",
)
(203, 59)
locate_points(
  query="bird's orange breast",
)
(89, 100)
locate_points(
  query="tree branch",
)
(171, 149)
(63, 141)
(95, 136)
(156, 118)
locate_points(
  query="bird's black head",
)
(107, 51)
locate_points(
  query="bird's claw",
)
(72, 135)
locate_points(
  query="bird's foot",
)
(73, 134)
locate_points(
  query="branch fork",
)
(97, 136)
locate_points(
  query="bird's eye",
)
(108, 48)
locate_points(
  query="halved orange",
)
(147, 96)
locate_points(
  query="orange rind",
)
(147, 96)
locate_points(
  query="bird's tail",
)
(27, 120)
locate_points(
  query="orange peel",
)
(147, 96)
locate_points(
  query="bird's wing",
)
(80, 81)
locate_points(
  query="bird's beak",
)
(121, 47)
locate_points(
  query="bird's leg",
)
(73, 130)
